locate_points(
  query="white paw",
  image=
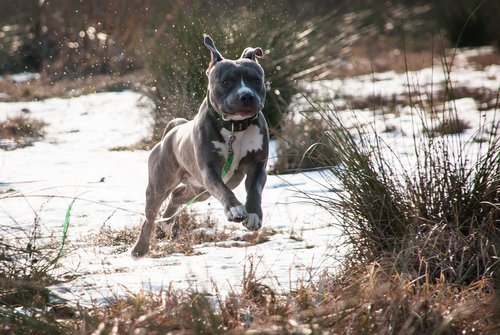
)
(236, 213)
(253, 222)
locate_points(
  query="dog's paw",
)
(253, 222)
(139, 250)
(236, 213)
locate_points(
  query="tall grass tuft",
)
(440, 217)
(28, 263)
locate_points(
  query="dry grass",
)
(361, 300)
(254, 238)
(380, 54)
(449, 126)
(45, 87)
(27, 265)
(371, 299)
(20, 131)
(374, 300)
(297, 142)
(190, 230)
(119, 240)
(144, 144)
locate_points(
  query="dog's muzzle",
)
(247, 99)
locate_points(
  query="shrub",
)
(20, 131)
(294, 48)
(469, 23)
(71, 39)
(441, 218)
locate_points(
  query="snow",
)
(21, 77)
(74, 161)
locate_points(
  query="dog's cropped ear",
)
(216, 56)
(250, 53)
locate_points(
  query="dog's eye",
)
(256, 81)
(226, 82)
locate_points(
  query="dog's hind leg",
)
(179, 197)
(154, 199)
(160, 185)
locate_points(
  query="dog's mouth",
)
(239, 112)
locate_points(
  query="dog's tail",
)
(172, 124)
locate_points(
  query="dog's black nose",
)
(247, 99)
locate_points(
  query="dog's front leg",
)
(254, 184)
(234, 210)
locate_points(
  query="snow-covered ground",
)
(74, 161)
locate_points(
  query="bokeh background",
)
(82, 46)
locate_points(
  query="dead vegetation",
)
(190, 230)
(20, 131)
(44, 87)
(119, 240)
(361, 300)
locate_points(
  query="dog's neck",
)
(232, 125)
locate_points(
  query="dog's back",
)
(172, 124)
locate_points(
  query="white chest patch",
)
(246, 141)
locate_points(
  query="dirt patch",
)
(380, 55)
(144, 144)
(449, 126)
(253, 238)
(481, 61)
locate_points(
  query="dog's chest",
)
(245, 142)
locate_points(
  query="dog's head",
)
(236, 88)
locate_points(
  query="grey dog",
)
(189, 160)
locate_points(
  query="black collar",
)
(231, 125)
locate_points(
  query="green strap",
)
(227, 166)
(64, 231)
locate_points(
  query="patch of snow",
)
(21, 77)
(388, 84)
(74, 162)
